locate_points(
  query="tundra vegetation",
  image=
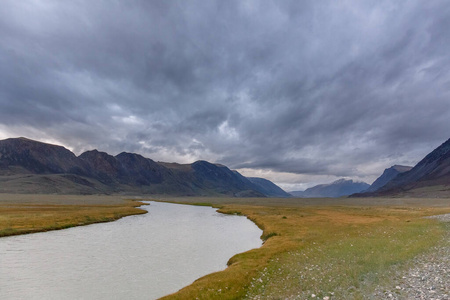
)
(313, 248)
(21, 214)
(322, 248)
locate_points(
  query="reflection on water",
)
(137, 257)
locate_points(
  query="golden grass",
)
(327, 247)
(28, 214)
(338, 251)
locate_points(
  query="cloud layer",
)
(301, 91)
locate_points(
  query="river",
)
(137, 257)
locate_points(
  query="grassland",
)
(21, 214)
(337, 248)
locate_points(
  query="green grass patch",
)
(30, 217)
(342, 252)
(202, 204)
(268, 235)
(341, 248)
(346, 264)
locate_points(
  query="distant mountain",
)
(336, 189)
(387, 176)
(101, 166)
(429, 178)
(28, 166)
(24, 155)
(268, 187)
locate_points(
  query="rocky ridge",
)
(387, 176)
(28, 166)
(338, 188)
(430, 177)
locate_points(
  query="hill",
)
(268, 187)
(429, 178)
(387, 176)
(28, 166)
(335, 189)
(22, 155)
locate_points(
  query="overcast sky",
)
(299, 92)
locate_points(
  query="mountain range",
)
(268, 187)
(338, 188)
(28, 166)
(387, 176)
(429, 178)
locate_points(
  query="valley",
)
(339, 248)
(323, 247)
(322, 125)
(33, 167)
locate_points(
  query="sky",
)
(298, 92)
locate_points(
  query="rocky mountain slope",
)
(339, 188)
(387, 176)
(24, 155)
(268, 187)
(28, 166)
(429, 178)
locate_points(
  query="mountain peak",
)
(27, 141)
(268, 187)
(99, 172)
(342, 180)
(37, 157)
(432, 170)
(388, 175)
(338, 188)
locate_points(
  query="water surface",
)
(137, 257)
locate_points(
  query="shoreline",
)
(249, 275)
(6, 233)
(28, 214)
(297, 234)
(138, 203)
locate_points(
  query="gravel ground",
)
(429, 278)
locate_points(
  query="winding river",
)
(137, 257)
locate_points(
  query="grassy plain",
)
(21, 214)
(337, 248)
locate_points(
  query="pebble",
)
(428, 279)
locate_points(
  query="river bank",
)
(313, 248)
(321, 248)
(139, 257)
(24, 213)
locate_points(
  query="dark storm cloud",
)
(306, 87)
